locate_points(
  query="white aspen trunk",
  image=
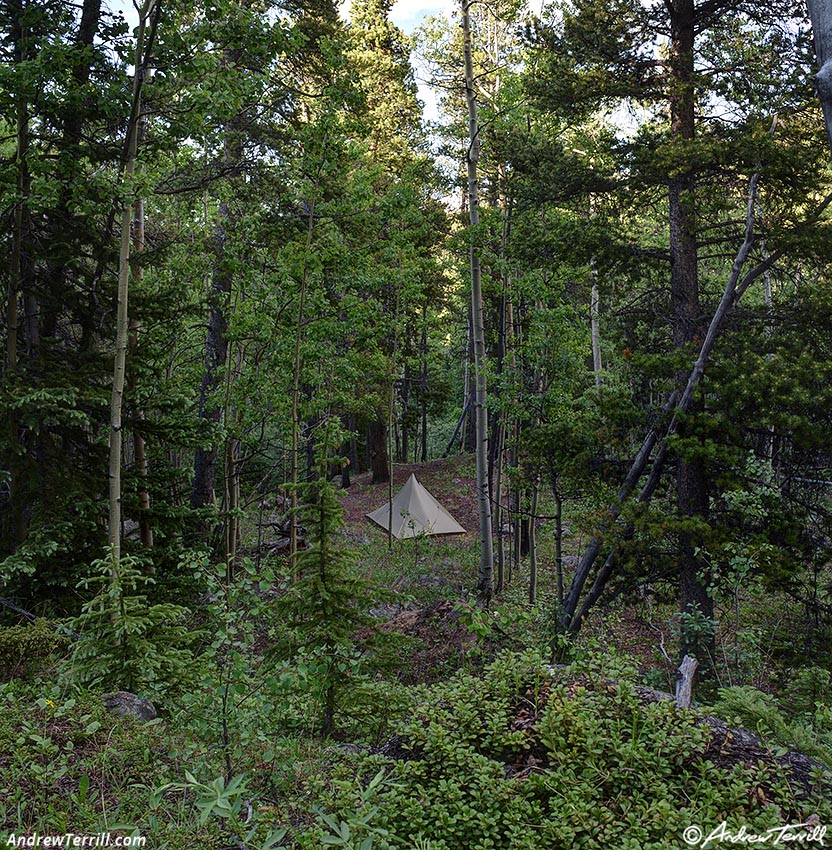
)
(145, 528)
(122, 324)
(485, 582)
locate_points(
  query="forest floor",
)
(436, 576)
(68, 764)
(450, 480)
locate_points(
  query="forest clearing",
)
(377, 481)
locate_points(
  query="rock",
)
(129, 705)
(388, 610)
(427, 580)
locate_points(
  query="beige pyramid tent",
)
(415, 512)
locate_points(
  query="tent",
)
(415, 512)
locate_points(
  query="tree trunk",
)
(468, 442)
(377, 444)
(558, 541)
(148, 11)
(145, 528)
(403, 417)
(21, 268)
(216, 355)
(691, 483)
(424, 405)
(485, 580)
(533, 544)
(595, 330)
(498, 512)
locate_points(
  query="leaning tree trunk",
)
(485, 580)
(148, 11)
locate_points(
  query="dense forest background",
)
(249, 288)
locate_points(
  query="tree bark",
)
(424, 386)
(58, 257)
(216, 355)
(149, 11)
(691, 483)
(377, 443)
(207, 460)
(21, 275)
(595, 331)
(485, 580)
(533, 543)
(145, 528)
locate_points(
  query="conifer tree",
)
(323, 607)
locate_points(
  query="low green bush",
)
(531, 757)
(25, 648)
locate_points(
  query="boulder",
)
(129, 705)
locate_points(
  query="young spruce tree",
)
(323, 606)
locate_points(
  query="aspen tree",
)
(148, 14)
(485, 581)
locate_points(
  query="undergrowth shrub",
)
(26, 647)
(802, 724)
(531, 757)
(62, 758)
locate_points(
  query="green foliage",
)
(355, 829)
(800, 719)
(126, 643)
(323, 605)
(61, 756)
(237, 702)
(24, 648)
(527, 757)
(695, 630)
(226, 800)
